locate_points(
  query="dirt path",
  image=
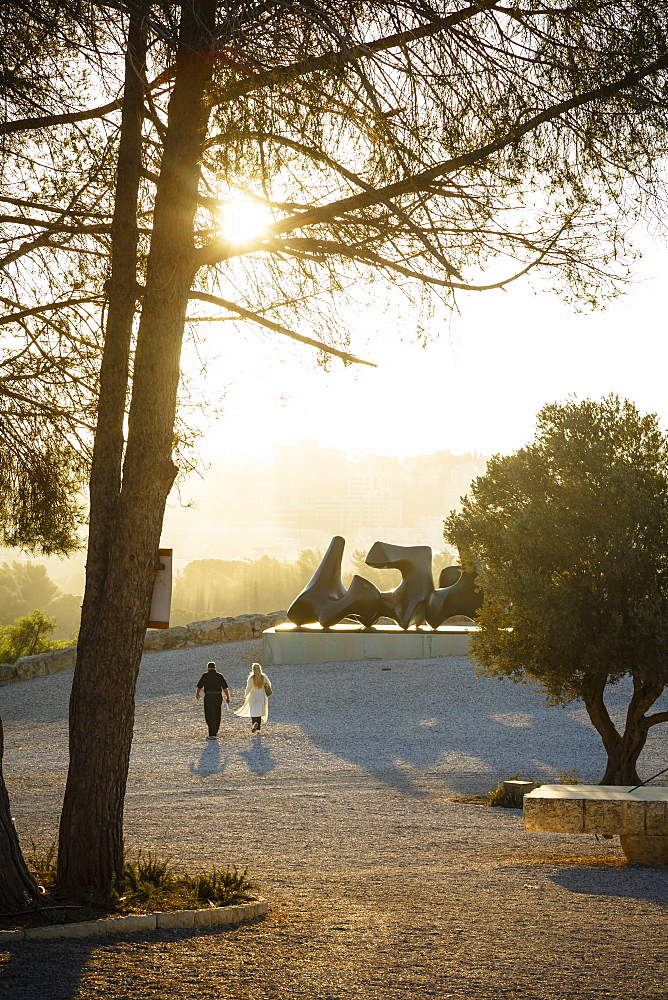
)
(381, 885)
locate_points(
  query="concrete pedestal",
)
(288, 644)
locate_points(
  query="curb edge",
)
(212, 916)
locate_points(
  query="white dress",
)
(256, 703)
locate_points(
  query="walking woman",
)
(256, 700)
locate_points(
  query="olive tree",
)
(570, 539)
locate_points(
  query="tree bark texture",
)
(105, 478)
(102, 701)
(17, 886)
(623, 749)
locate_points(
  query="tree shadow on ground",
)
(258, 758)
(627, 881)
(412, 723)
(44, 970)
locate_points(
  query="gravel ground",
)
(381, 884)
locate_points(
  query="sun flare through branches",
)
(245, 220)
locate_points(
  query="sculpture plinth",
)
(342, 643)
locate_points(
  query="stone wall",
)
(208, 633)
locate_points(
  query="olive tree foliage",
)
(570, 538)
(432, 147)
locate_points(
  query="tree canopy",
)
(425, 147)
(434, 147)
(570, 539)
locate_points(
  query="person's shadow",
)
(209, 761)
(258, 758)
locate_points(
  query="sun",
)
(245, 220)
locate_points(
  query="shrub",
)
(27, 636)
(220, 888)
(43, 865)
(152, 881)
(149, 882)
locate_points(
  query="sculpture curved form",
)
(449, 575)
(407, 605)
(324, 587)
(325, 600)
(362, 601)
(460, 598)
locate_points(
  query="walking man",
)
(214, 685)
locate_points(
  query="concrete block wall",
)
(205, 633)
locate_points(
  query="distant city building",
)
(310, 484)
(309, 493)
(320, 488)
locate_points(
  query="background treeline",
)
(212, 588)
(205, 588)
(26, 587)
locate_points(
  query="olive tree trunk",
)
(623, 749)
(17, 886)
(123, 556)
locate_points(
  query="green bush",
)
(220, 888)
(500, 797)
(568, 777)
(147, 880)
(43, 865)
(149, 883)
(27, 636)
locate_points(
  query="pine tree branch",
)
(216, 253)
(60, 227)
(333, 58)
(36, 310)
(40, 206)
(654, 720)
(49, 121)
(278, 328)
(364, 256)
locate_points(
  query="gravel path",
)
(382, 884)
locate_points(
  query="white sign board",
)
(162, 592)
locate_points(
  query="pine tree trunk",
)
(110, 645)
(17, 886)
(121, 289)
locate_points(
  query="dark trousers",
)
(213, 702)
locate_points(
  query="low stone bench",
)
(639, 817)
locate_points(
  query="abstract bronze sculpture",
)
(413, 602)
(324, 588)
(362, 602)
(407, 605)
(460, 598)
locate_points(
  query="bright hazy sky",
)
(477, 388)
